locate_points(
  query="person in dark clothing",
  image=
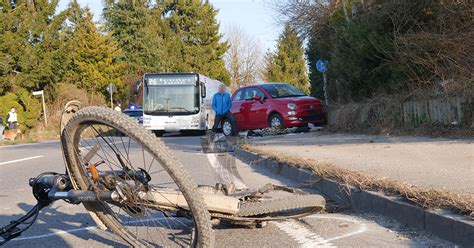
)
(221, 103)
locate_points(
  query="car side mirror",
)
(258, 98)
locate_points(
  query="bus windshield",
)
(171, 94)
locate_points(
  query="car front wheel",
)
(227, 128)
(276, 121)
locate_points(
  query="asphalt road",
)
(65, 225)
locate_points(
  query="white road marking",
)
(57, 233)
(20, 160)
(362, 226)
(304, 236)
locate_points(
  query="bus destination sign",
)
(172, 80)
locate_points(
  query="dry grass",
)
(17, 142)
(427, 199)
(64, 93)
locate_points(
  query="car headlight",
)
(291, 106)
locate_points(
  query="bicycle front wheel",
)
(98, 141)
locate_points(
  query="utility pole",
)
(35, 93)
(325, 83)
(111, 99)
(322, 66)
(111, 89)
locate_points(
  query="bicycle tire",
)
(105, 116)
(274, 206)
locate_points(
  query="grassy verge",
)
(34, 135)
(427, 199)
(16, 142)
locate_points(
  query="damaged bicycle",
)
(131, 184)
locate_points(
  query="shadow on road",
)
(53, 225)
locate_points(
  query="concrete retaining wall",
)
(386, 113)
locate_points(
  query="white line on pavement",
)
(304, 236)
(57, 233)
(20, 160)
(362, 226)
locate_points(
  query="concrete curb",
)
(455, 228)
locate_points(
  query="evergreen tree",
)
(29, 44)
(93, 56)
(287, 64)
(135, 26)
(192, 38)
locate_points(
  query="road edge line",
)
(452, 227)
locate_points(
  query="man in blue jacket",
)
(221, 103)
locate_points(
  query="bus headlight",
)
(195, 120)
(291, 106)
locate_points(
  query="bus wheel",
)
(158, 133)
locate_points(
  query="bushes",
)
(27, 107)
(68, 92)
(405, 48)
(359, 54)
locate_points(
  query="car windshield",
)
(282, 90)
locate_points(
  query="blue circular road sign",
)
(322, 65)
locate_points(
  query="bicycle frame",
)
(59, 188)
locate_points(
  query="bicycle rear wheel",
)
(109, 143)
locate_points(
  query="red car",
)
(274, 105)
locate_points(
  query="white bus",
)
(178, 102)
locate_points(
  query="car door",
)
(256, 109)
(236, 109)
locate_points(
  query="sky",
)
(254, 16)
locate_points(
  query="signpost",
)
(322, 66)
(111, 89)
(40, 92)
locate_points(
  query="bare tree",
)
(244, 58)
(304, 15)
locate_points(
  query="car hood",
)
(298, 100)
